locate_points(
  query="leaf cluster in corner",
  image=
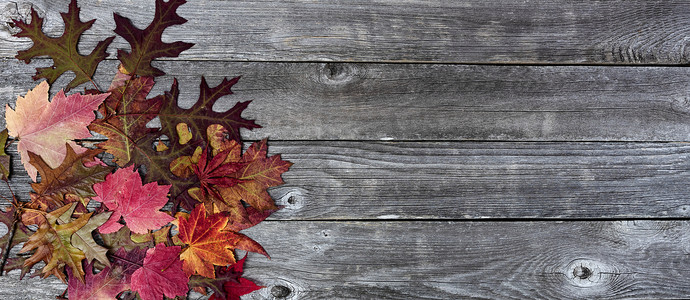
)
(132, 240)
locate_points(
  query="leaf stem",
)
(63, 295)
(12, 230)
(7, 249)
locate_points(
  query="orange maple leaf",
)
(208, 244)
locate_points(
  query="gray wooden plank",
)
(314, 101)
(469, 180)
(473, 260)
(467, 31)
(459, 260)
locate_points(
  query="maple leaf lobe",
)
(236, 285)
(124, 194)
(208, 244)
(161, 274)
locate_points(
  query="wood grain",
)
(453, 260)
(473, 260)
(470, 180)
(314, 101)
(467, 31)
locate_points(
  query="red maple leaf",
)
(215, 173)
(105, 285)
(123, 193)
(233, 289)
(161, 274)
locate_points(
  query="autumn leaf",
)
(82, 238)
(229, 285)
(214, 173)
(122, 239)
(21, 235)
(208, 244)
(62, 50)
(123, 193)
(161, 274)
(4, 158)
(105, 285)
(146, 44)
(44, 127)
(53, 244)
(259, 173)
(71, 181)
(125, 115)
(111, 281)
(201, 115)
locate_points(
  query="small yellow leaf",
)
(184, 133)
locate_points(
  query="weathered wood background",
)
(443, 149)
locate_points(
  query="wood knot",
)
(336, 74)
(280, 291)
(582, 272)
(16, 11)
(335, 71)
(588, 273)
(681, 105)
(291, 198)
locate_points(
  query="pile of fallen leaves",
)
(92, 218)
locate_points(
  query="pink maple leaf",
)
(44, 127)
(123, 193)
(161, 274)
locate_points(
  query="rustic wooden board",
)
(314, 101)
(410, 122)
(458, 260)
(467, 31)
(470, 180)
